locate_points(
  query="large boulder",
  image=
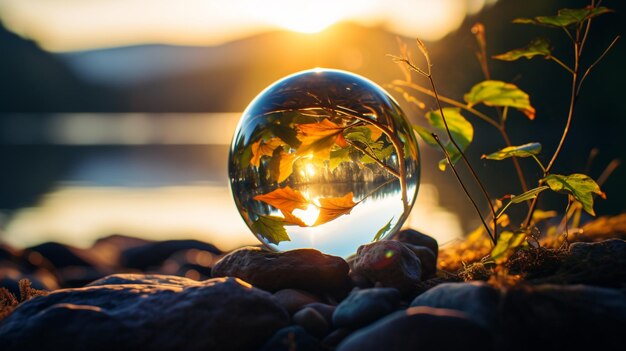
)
(158, 313)
(304, 269)
(562, 317)
(600, 263)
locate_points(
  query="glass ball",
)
(323, 159)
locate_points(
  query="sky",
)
(75, 25)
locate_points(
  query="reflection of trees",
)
(364, 164)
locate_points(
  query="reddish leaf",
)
(284, 199)
(319, 137)
(264, 148)
(292, 219)
(333, 207)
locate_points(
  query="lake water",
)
(155, 176)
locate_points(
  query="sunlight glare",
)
(308, 216)
(303, 16)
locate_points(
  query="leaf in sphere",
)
(537, 47)
(338, 156)
(361, 134)
(285, 167)
(288, 135)
(375, 132)
(565, 17)
(333, 207)
(264, 148)
(506, 245)
(383, 230)
(284, 199)
(526, 150)
(271, 228)
(498, 93)
(461, 129)
(380, 153)
(319, 138)
(290, 218)
(580, 186)
(529, 195)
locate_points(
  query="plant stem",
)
(570, 115)
(491, 236)
(482, 116)
(539, 163)
(467, 163)
(561, 64)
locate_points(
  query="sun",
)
(303, 16)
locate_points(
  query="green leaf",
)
(506, 245)
(271, 228)
(525, 150)
(338, 156)
(529, 195)
(580, 186)
(565, 17)
(426, 135)
(383, 230)
(360, 134)
(381, 154)
(539, 46)
(461, 129)
(498, 93)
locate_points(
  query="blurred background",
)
(116, 115)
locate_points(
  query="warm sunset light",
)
(72, 25)
(303, 17)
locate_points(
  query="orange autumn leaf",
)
(285, 166)
(319, 137)
(376, 133)
(290, 218)
(264, 148)
(284, 199)
(333, 207)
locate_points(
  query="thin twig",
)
(467, 163)
(373, 157)
(456, 174)
(580, 84)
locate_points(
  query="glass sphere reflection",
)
(323, 159)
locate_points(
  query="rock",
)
(413, 237)
(359, 280)
(420, 328)
(293, 300)
(478, 300)
(153, 254)
(557, 317)
(292, 338)
(305, 269)
(61, 255)
(335, 337)
(217, 314)
(363, 307)
(325, 310)
(391, 263)
(599, 263)
(427, 258)
(143, 279)
(312, 321)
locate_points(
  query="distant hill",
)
(32, 80)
